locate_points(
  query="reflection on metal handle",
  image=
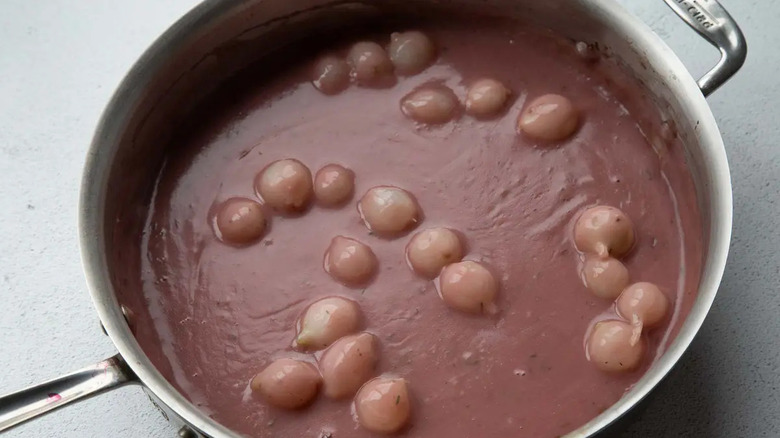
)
(715, 24)
(37, 400)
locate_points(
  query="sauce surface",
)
(222, 313)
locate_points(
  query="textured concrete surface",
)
(59, 62)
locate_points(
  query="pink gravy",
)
(223, 313)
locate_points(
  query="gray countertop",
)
(61, 60)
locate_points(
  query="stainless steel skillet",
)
(218, 38)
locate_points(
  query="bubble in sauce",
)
(411, 52)
(431, 104)
(606, 278)
(486, 98)
(348, 364)
(615, 346)
(643, 303)
(327, 320)
(551, 117)
(370, 64)
(349, 261)
(240, 221)
(389, 210)
(285, 185)
(604, 231)
(469, 287)
(431, 250)
(331, 74)
(287, 383)
(382, 405)
(333, 185)
(588, 52)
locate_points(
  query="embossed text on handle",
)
(697, 13)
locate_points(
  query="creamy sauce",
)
(222, 312)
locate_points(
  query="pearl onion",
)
(469, 287)
(550, 117)
(411, 52)
(240, 221)
(330, 75)
(285, 185)
(287, 383)
(333, 185)
(327, 320)
(350, 262)
(388, 210)
(615, 346)
(604, 231)
(432, 105)
(370, 64)
(431, 250)
(348, 364)
(486, 97)
(605, 278)
(382, 405)
(644, 303)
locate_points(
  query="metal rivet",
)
(186, 432)
(129, 316)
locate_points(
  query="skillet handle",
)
(20, 406)
(713, 22)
